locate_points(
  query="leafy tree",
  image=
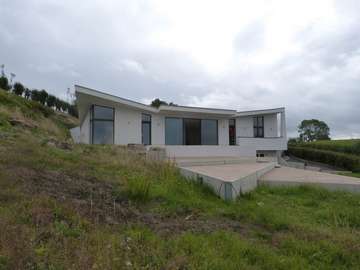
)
(73, 110)
(27, 93)
(43, 96)
(4, 83)
(64, 106)
(18, 89)
(50, 101)
(57, 104)
(35, 95)
(313, 130)
(157, 102)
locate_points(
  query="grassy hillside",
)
(65, 206)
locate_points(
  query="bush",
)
(4, 83)
(340, 160)
(18, 89)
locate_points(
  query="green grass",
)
(103, 207)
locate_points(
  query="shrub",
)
(341, 160)
(4, 83)
(27, 93)
(43, 96)
(50, 101)
(18, 89)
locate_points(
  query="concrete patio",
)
(286, 176)
(232, 177)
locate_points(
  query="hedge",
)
(343, 146)
(340, 160)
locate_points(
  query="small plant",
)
(138, 188)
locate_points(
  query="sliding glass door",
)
(192, 131)
(188, 131)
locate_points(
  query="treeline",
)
(41, 96)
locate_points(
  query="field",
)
(66, 206)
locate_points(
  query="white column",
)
(283, 125)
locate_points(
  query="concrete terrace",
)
(286, 176)
(233, 176)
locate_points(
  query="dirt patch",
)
(94, 199)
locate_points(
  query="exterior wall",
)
(245, 126)
(264, 143)
(85, 129)
(209, 151)
(127, 130)
(157, 129)
(223, 131)
(127, 126)
(270, 125)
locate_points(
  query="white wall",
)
(270, 125)
(127, 126)
(85, 129)
(245, 126)
(223, 131)
(209, 151)
(157, 129)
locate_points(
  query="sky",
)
(244, 55)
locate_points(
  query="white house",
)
(182, 131)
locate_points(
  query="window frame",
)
(146, 122)
(182, 128)
(217, 131)
(233, 119)
(92, 120)
(258, 127)
(184, 132)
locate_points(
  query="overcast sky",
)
(304, 55)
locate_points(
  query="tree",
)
(43, 96)
(18, 89)
(73, 110)
(58, 104)
(313, 130)
(4, 83)
(50, 101)
(157, 102)
(35, 95)
(27, 93)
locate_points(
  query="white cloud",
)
(304, 55)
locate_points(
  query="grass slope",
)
(65, 206)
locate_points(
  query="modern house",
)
(182, 131)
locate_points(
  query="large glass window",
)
(209, 132)
(192, 131)
(188, 131)
(173, 131)
(146, 129)
(259, 126)
(102, 125)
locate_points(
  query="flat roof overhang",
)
(86, 97)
